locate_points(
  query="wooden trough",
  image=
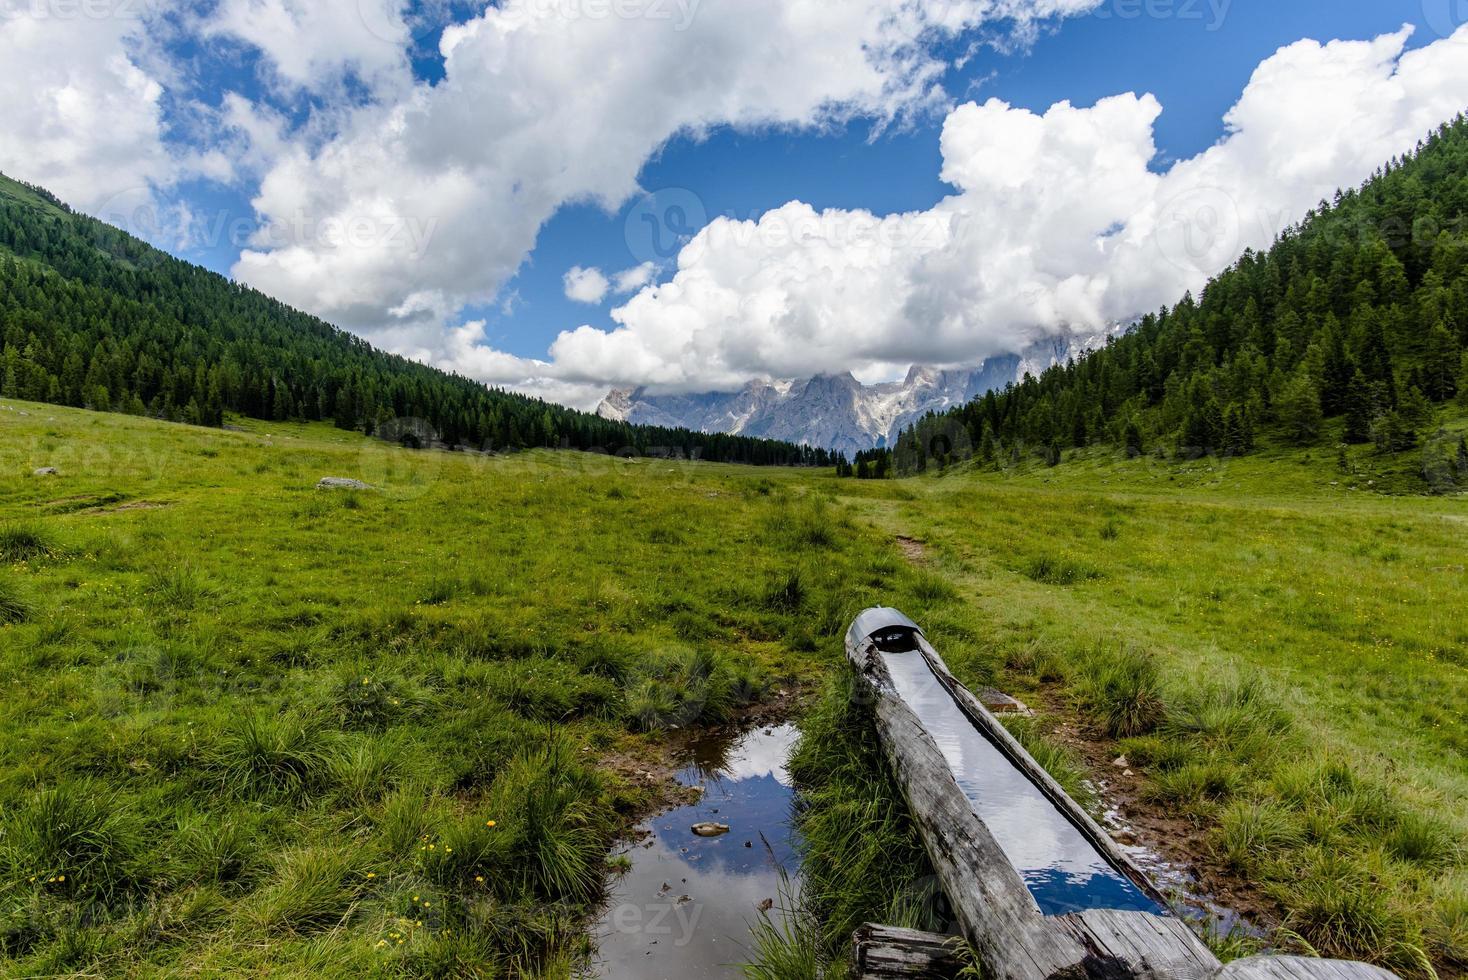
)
(1105, 921)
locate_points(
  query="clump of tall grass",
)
(1341, 909)
(1049, 570)
(787, 942)
(787, 593)
(542, 833)
(688, 687)
(1121, 690)
(177, 587)
(1447, 924)
(1205, 779)
(16, 604)
(364, 770)
(313, 889)
(265, 756)
(1251, 832)
(367, 702)
(213, 849)
(25, 541)
(932, 589)
(1035, 659)
(74, 839)
(1421, 839)
(605, 660)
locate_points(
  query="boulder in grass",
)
(341, 483)
(46, 471)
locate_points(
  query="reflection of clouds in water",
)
(762, 756)
(1064, 870)
(646, 932)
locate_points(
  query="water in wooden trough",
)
(684, 910)
(1062, 869)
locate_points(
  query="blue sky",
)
(1194, 64)
(488, 151)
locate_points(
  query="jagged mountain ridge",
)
(835, 411)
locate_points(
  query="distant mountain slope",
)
(837, 411)
(1351, 330)
(92, 317)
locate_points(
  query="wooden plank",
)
(889, 953)
(1301, 968)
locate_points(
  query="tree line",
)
(1351, 329)
(94, 318)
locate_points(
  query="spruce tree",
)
(1359, 410)
(1298, 406)
(1133, 438)
(1440, 364)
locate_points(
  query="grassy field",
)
(1284, 653)
(257, 727)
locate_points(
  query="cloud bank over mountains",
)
(390, 204)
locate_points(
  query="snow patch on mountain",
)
(837, 411)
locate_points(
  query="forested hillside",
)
(93, 317)
(1350, 330)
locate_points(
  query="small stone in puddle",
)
(710, 829)
(682, 899)
(749, 843)
(766, 905)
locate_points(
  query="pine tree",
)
(1440, 364)
(1415, 409)
(1133, 439)
(1462, 461)
(1359, 410)
(1298, 406)
(1335, 376)
(1393, 434)
(1238, 431)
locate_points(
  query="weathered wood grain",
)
(889, 953)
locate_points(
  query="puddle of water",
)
(1062, 869)
(684, 910)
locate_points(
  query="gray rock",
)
(46, 471)
(341, 483)
(710, 829)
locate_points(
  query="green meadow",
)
(252, 726)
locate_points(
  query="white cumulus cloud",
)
(79, 112)
(1057, 222)
(542, 104)
(586, 285)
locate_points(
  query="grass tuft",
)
(16, 604)
(25, 541)
(313, 889)
(265, 756)
(1122, 690)
(1048, 570)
